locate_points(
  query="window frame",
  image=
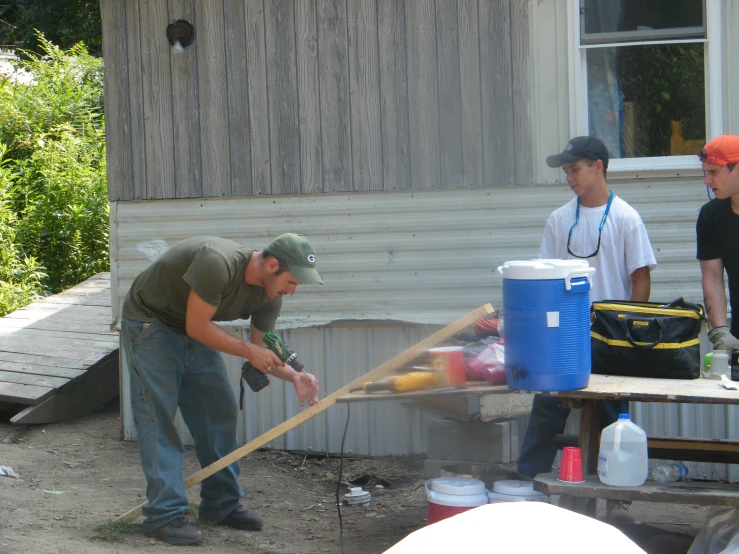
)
(578, 98)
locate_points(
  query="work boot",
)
(241, 518)
(177, 532)
(618, 512)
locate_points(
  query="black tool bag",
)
(646, 339)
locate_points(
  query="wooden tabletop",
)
(696, 391)
(601, 387)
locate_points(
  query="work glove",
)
(722, 339)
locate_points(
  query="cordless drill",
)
(258, 380)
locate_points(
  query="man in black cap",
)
(173, 352)
(600, 227)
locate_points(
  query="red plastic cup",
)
(571, 469)
(450, 360)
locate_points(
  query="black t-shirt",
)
(718, 237)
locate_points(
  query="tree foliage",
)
(63, 22)
(53, 129)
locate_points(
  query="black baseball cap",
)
(579, 148)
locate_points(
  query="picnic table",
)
(608, 387)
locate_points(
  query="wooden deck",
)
(48, 346)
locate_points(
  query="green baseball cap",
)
(300, 256)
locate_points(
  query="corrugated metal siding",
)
(422, 256)
(425, 257)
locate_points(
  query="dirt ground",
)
(78, 475)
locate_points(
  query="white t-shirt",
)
(624, 245)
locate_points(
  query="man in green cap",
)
(173, 352)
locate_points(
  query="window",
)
(646, 78)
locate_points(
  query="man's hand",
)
(264, 359)
(722, 339)
(306, 387)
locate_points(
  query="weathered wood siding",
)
(309, 96)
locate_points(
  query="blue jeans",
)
(170, 370)
(548, 419)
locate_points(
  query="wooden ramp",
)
(58, 355)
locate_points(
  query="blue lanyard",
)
(605, 214)
(600, 228)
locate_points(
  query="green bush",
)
(20, 277)
(54, 130)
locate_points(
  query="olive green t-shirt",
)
(215, 269)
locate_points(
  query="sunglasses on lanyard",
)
(600, 228)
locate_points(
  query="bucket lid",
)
(534, 497)
(457, 486)
(534, 270)
(516, 488)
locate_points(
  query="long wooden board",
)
(701, 493)
(377, 373)
(26, 394)
(29, 379)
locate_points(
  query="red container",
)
(437, 512)
(571, 469)
(449, 360)
(449, 496)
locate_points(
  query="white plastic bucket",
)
(515, 491)
(449, 496)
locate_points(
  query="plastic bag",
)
(488, 365)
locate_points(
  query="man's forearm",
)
(213, 336)
(715, 300)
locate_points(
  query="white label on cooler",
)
(552, 319)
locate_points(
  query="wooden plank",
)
(469, 76)
(47, 310)
(157, 100)
(100, 298)
(496, 92)
(213, 98)
(117, 109)
(282, 87)
(35, 359)
(520, 59)
(85, 326)
(379, 372)
(238, 108)
(395, 125)
(135, 99)
(476, 389)
(611, 387)
(185, 110)
(31, 379)
(333, 76)
(77, 399)
(256, 68)
(309, 100)
(40, 335)
(691, 450)
(83, 350)
(42, 370)
(450, 94)
(423, 86)
(364, 73)
(681, 492)
(24, 394)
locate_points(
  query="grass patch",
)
(113, 531)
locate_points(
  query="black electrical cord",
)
(338, 483)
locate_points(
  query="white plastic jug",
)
(622, 460)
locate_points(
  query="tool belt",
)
(646, 339)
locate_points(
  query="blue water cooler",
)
(546, 312)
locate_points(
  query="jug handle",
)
(500, 270)
(584, 272)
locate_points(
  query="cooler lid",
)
(515, 488)
(458, 486)
(536, 270)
